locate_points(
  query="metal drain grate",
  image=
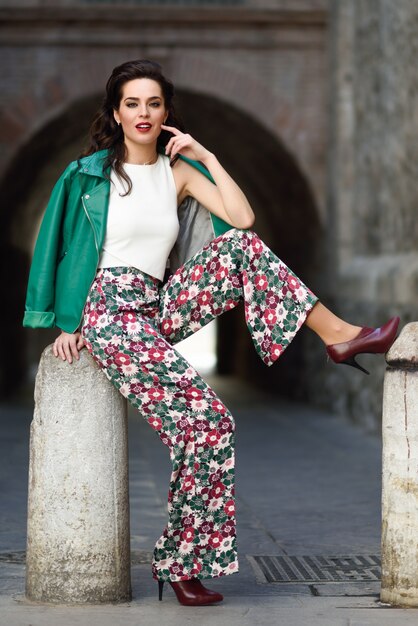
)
(297, 569)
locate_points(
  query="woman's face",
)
(141, 111)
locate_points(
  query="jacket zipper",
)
(97, 250)
(91, 224)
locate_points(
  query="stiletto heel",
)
(191, 592)
(369, 340)
(352, 361)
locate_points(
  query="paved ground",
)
(307, 484)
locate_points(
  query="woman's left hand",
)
(185, 145)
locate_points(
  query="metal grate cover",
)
(297, 569)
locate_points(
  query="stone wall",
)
(372, 190)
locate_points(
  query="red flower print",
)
(175, 568)
(128, 317)
(188, 483)
(182, 423)
(166, 327)
(156, 355)
(149, 329)
(197, 272)
(156, 393)
(205, 297)
(256, 246)
(206, 527)
(217, 490)
(187, 521)
(155, 423)
(182, 297)
(188, 535)
(293, 283)
(218, 407)
(229, 508)
(212, 266)
(93, 317)
(202, 425)
(213, 437)
(122, 359)
(226, 425)
(196, 567)
(215, 477)
(276, 350)
(270, 317)
(283, 273)
(272, 299)
(261, 282)
(193, 393)
(215, 539)
(228, 528)
(222, 273)
(229, 304)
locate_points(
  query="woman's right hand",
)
(67, 345)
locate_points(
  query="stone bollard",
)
(400, 472)
(78, 536)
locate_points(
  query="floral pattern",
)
(130, 323)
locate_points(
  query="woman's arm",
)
(225, 199)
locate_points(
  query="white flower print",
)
(186, 547)
(177, 320)
(130, 369)
(199, 405)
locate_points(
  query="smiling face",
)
(141, 112)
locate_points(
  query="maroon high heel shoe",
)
(369, 340)
(191, 592)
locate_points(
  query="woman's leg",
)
(330, 328)
(120, 331)
(233, 267)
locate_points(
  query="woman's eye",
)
(155, 104)
(131, 104)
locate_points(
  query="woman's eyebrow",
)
(150, 98)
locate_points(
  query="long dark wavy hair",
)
(104, 130)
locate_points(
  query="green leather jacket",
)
(71, 236)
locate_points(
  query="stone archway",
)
(287, 219)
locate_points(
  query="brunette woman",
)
(146, 238)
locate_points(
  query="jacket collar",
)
(93, 163)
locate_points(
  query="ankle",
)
(341, 333)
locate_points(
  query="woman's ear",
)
(116, 116)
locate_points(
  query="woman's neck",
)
(141, 155)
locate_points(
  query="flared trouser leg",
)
(237, 266)
(129, 326)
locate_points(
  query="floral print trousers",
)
(130, 323)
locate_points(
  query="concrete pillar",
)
(78, 541)
(400, 472)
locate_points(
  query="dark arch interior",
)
(286, 218)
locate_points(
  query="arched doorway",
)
(286, 218)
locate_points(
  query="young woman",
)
(143, 193)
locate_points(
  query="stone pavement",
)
(308, 483)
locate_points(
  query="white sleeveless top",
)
(142, 227)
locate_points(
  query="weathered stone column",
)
(78, 542)
(400, 472)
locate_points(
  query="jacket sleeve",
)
(40, 295)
